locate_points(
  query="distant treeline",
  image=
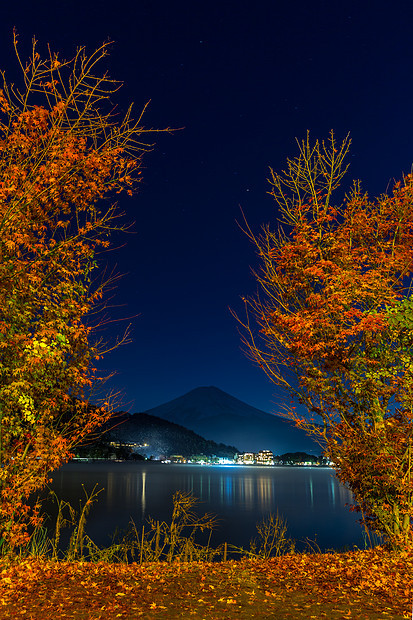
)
(301, 457)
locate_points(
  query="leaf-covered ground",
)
(360, 584)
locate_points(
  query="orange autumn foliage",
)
(333, 324)
(358, 584)
(61, 153)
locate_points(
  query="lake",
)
(310, 499)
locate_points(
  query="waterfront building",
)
(246, 458)
(264, 457)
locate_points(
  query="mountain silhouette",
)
(162, 437)
(220, 417)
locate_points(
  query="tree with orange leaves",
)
(332, 323)
(62, 152)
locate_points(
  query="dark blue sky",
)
(245, 79)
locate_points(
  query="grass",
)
(162, 572)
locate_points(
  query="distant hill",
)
(216, 415)
(163, 437)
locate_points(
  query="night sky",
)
(244, 79)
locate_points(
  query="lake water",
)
(309, 498)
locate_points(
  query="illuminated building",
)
(264, 457)
(247, 458)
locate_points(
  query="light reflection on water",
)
(252, 488)
(311, 499)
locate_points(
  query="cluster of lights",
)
(263, 457)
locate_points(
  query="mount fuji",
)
(216, 415)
